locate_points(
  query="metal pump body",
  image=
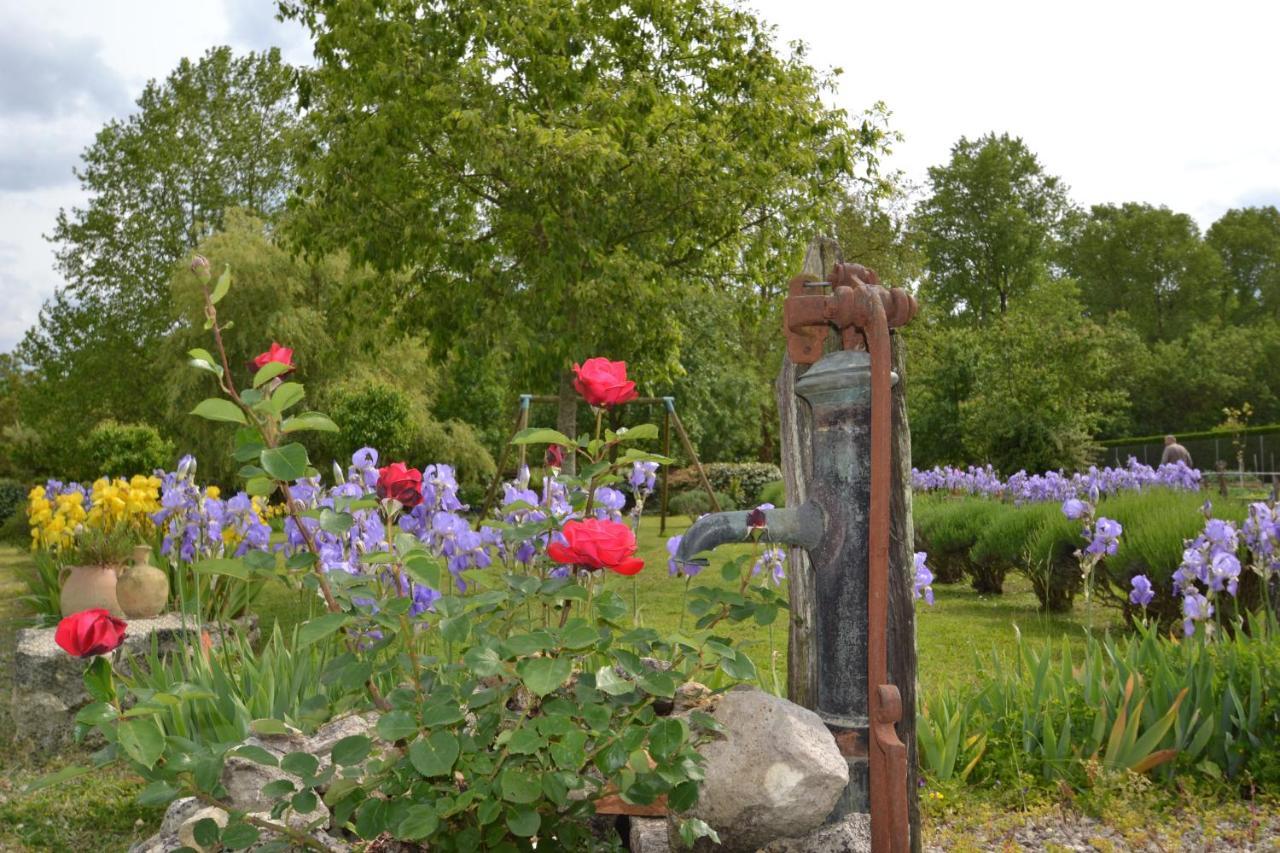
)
(844, 527)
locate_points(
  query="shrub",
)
(12, 496)
(120, 450)
(947, 529)
(371, 415)
(1001, 545)
(1051, 562)
(1157, 523)
(696, 503)
(14, 530)
(743, 481)
(774, 493)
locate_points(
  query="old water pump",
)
(844, 527)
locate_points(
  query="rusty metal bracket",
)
(863, 312)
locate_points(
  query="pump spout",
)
(801, 527)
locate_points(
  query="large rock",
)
(48, 683)
(852, 834)
(774, 773)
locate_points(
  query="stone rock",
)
(649, 835)
(775, 772)
(48, 684)
(167, 838)
(187, 832)
(852, 834)
(320, 744)
(690, 696)
(244, 780)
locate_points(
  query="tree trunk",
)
(567, 417)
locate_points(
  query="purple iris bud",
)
(1142, 593)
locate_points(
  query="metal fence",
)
(1261, 453)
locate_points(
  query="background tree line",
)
(458, 201)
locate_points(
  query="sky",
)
(1167, 103)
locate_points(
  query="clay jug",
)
(143, 589)
(89, 588)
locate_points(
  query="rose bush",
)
(510, 691)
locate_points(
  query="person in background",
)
(1174, 452)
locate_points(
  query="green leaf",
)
(205, 832)
(238, 836)
(352, 750)
(608, 681)
(523, 821)
(335, 522)
(256, 754)
(96, 713)
(520, 786)
(287, 395)
(455, 629)
(639, 433)
(158, 793)
(434, 755)
(270, 371)
(218, 409)
(66, 774)
(320, 627)
(739, 666)
(483, 661)
(535, 435)
(302, 764)
(287, 463)
(141, 740)
(666, 737)
(309, 420)
(268, 726)
(222, 286)
(231, 567)
(543, 675)
(260, 487)
(396, 725)
(419, 821)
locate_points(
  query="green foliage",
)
(122, 450)
(13, 496)
(1028, 391)
(987, 227)
(1149, 262)
(1248, 241)
(1001, 544)
(96, 547)
(372, 415)
(44, 589)
(227, 692)
(695, 502)
(742, 481)
(947, 529)
(775, 493)
(1146, 704)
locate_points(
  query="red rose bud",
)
(756, 520)
(602, 382)
(400, 482)
(554, 457)
(597, 544)
(284, 355)
(200, 265)
(89, 633)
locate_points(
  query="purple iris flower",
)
(921, 584)
(774, 561)
(1195, 608)
(1074, 508)
(1105, 538)
(1142, 593)
(675, 567)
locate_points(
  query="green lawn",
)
(99, 812)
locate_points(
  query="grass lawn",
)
(98, 812)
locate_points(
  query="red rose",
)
(554, 457)
(284, 355)
(401, 483)
(89, 632)
(602, 382)
(598, 544)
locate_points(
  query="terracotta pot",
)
(143, 589)
(89, 588)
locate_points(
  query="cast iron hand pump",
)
(844, 526)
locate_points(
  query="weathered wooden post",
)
(854, 524)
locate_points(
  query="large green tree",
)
(556, 175)
(988, 226)
(1248, 241)
(1149, 262)
(216, 133)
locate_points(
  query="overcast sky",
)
(1167, 103)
